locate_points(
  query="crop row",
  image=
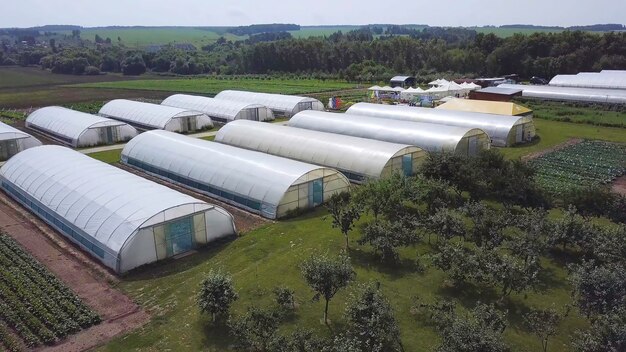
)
(589, 163)
(7, 340)
(39, 307)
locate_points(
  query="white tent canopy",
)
(502, 129)
(265, 184)
(13, 141)
(357, 158)
(147, 116)
(78, 129)
(284, 105)
(114, 215)
(219, 109)
(428, 136)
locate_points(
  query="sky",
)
(90, 13)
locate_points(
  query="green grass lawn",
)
(109, 156)
(552, 133)
(270, 256)
(211, 86)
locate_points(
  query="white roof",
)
(386, 88)
(144, 114)
(398, 89)
(105, 202)
(66, 122)
(220, 108)
(438, 82)
(414, 90)
(606, 79)
(251, 174)
(374, 88)
(427, 136)
(346, 153)
(497, 127)
(9, 132)
(591, 95)
(273, 101)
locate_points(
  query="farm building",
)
(486, 107)
(495, 94)
(78, 129)
(264, 184)
(403, 82)
(428, 136)
(357, 158)
(282, 105)
(503, 130)
(121, 219)
(587, 95)
(221, 110)
(13, 141)
(145, 116)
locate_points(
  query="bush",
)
(216, 295)
(285, 297)
(133, 66)
(92, 71)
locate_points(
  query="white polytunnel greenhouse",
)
(358, 159)
(428, 136)
(587, 95)
(261, 183)
(13, 141)
(146, 116)
(221, 110)
(121, 219)
(503, 130)
(282, 105)
(605, 79)
(78, 129)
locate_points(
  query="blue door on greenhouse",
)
(316, 192)
(407, 165)
(179, 236)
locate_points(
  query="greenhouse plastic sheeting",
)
(224, 110)
(152, 116)
(428, 136)
(588, 95)
(498, 127)
(286, 104)
(346, 153)
(605, 79)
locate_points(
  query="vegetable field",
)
(589, 163)
(34, 304)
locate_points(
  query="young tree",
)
(343, 212)
(217, 293)
(326, 276)
(256, 330)
(301, 340)
(569, 230)
(488, 224)
(598, 289)
(371, 322)
(607, 334)
(544, 323)
(446, 223)
(285, 297)
(386, 236)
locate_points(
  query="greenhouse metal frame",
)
(281, 105)
(146, 116)
(13, 141)
(220, 110)
(78, 129)
(260, 183)
(428, 136)
(587, 95)
(359, 159)
(121, 219)
(503, 130)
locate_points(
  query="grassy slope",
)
(270, 256)
(213, 86)
(552, 133)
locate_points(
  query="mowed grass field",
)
(212, 86)
(270, 256)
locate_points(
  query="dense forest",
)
(367, 54)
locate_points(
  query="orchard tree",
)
(544, 323)
(301, 340)
(607, 334)
(598, 289)
(488, 224)
(285, 297)
(343, 212)
(326, 276)
(569, 229)
(387, 236)
(256, 330)
(446, 224)
(217, 294)
(371, 322)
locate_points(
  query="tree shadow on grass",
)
(216, 335)
(547, 280)
(371, 260)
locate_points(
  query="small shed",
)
(403, 81)
(495, 94)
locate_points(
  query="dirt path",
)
(619, 185)
(543, 152)
(84, 276)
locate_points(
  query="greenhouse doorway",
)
(472, 145)
(8, 148)
(407, 165)
(519, 136)
(179, 236)
(316, 192)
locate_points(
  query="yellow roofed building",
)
(487, 107)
